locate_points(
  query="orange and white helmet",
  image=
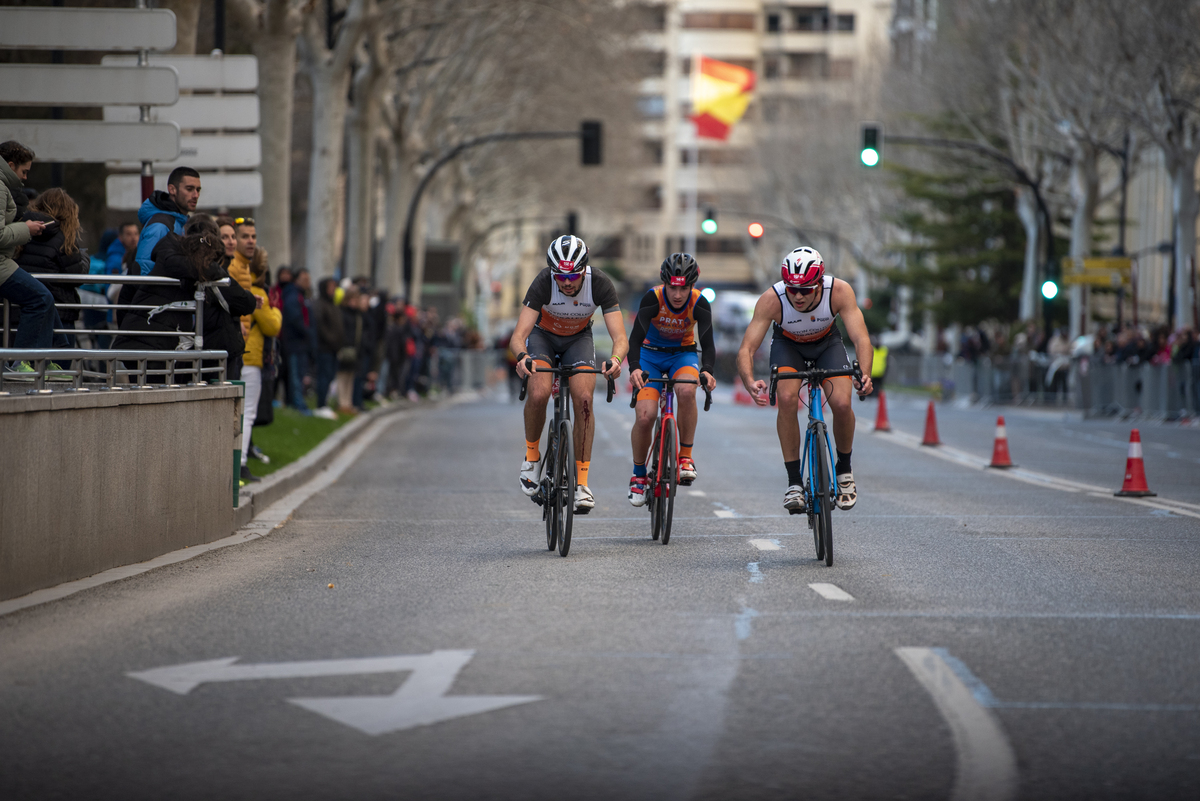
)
(802, 267)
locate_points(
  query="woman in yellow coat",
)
(264, 322)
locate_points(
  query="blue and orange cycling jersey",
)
(669, 328)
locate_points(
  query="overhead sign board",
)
(206, 152)
(216, 73)
(1111, 271)
(204, 112)
(92, 140)
(238, 190)
(87, 85)
(87, 28)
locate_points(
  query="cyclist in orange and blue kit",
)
(663, 343)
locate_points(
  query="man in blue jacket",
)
(166, 212)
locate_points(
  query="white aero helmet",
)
(801, 267)
(567, 254)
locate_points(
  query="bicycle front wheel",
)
(564, 481)
(652, 500)
(823, 492)
(670, 478)
(549, 493)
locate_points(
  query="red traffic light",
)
(755, 229)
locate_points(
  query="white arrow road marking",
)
(766, 545)
(420, 701)
(831, 592)
(986, 767)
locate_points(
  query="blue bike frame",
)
(809, 455)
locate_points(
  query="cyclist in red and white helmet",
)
(802, 308)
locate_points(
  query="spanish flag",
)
(720, 94)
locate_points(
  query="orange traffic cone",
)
(1000, 457)
(1135, 470)
(881, 418)
(931, 435)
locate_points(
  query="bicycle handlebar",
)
(567, 372)
(671, 381)
(816, 374)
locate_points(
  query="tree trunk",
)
(187, 23)
(399, 191)
(329, 132)
(1186, 205)
(276, 52)
(1031, 219)
(364, 123)
(1085, 191)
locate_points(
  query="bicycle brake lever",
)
(707, 399)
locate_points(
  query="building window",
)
(650, 63)
(651, 107)
(685, 65)
(650, 18)
(845, 23)
(841, 69)
(774, 23)
(653, 151)
(739, 22)
(808, 66)
(707, 244)
(652, 197)
(812, 18)
(772, 67)
(722, 155)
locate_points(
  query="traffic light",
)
(755, 229)
(590, 135)
(709, 224)
(1049, 289)
(872, 144)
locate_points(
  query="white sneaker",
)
(584, 500)
(529, 478)
(637, 490)
(325, 413)
(793, 500)
(847, 492)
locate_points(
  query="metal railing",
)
(195, 336)
(45, 368)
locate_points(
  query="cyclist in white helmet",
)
(801, 308)
(557, 321)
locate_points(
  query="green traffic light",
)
(869, 156)
(1049, 290)
(709, 226)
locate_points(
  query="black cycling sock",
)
(843, 463)
(793, 471)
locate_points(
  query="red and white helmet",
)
(802, 267)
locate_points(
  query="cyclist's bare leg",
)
(685, 411)
(583, 388)
(536, 398)
(839, 390)
(787, 421)
(643, 428)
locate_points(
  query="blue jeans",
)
(297, 370)
(326, 372)
(39, 318)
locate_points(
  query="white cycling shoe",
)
(637, 490)
(847, 492)
(793, 500)
(529, 478)
(584, 500)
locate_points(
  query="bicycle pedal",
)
(686, 482)
(796, 511)
(537, 499)
(582, 510)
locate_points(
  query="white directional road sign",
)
(87, 28)
(207, 112)
(92, 140)
(87, 85)
(205, 152)
(219, 73)
(420, 701)
(239, 190)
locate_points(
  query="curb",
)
(252, 502)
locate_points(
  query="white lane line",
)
(766, 545)
(724, 512)
(950, 454)
(831, 592)
(756, 575)
(742, 621)
(985, 765)
(698, 493)
(271, 518)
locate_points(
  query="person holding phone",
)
(56, 250)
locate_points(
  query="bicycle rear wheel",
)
(652, 500)
(824, 493)
(670, 478)
(564, 480)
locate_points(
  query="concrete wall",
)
(95, 480)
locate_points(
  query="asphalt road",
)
(1004, 640)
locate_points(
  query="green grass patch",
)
(290, 437)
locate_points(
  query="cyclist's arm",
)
(704, 329)
(641, 324)
(843, 302)
(614, 321)
(764, 314)
(525, 323)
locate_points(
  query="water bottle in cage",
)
(554, 387)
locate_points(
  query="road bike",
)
(556, 470)
(819, 484)
(662, 463)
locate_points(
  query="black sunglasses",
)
(801, 290)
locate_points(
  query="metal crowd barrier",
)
(196, 305)
(114, 376)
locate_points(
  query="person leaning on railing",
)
(57, 251)
(224, 308)
(16, 285)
